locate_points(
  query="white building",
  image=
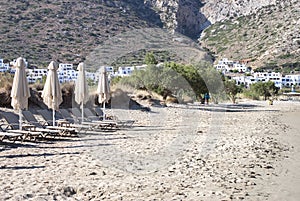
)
(225, 66)
(34, 75)
(125, 71)
(4, 67)
(278, 79)
(143, 67)
(242, 68)
(291, 80)
(66, 73)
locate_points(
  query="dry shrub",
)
(6, 80)
(68, 88)
(5, 98)
(67, 94)
(38, 86)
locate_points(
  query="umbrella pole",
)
(20, 119)
(104, 111)
(81, 112)
(53, 117)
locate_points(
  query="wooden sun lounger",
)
(10, 136)
(94, 123)
(12, 126)
(38, 126)
(65, 113)
(64, 130)
(112, 122)
(120, 123)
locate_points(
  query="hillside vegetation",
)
(41, 30)
(268, 38)
(264, 32)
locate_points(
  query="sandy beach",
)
(247, 151)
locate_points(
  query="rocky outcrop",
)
(218, 10)
(191, 17)
(182, 16)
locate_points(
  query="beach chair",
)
(92, 116)
(62, 124)
(93, 121)
(10, 136)
(40, 126)
(12, 126)
(77, 115)
(113, 119)
(66, 115)
(121, 123)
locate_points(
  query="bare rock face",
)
(218, 10)
(191, 17)
(182, 16)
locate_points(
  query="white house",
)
(4, 67)
(291, 80)
(242, 68)
(125, 71)
(224, 65)
(143, 67)
(278, 79)
(66, 73)
(34, 75)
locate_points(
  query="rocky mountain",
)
(269, 37)
(182, 16)
(218, 10)
(264, 31)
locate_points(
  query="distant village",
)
(67, 73)
(235, 70)
(244, 75)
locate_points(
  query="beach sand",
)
(246, 151)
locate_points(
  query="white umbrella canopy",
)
(20, 91)
(81, 88)
(103, 89)
(51, 94)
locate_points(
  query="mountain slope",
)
(41, 30)
(264, 31)
(269, 37)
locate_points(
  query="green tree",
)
(265, 89)
(188, 78)
(214, 81)
(150, 59)
(169, 79)
(232, 89)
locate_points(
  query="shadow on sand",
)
(233, 108)
(21, 167)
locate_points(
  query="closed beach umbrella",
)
(51, 94)
(103, 89)
(20, 91)
(81, 88)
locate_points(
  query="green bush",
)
(264, 89)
